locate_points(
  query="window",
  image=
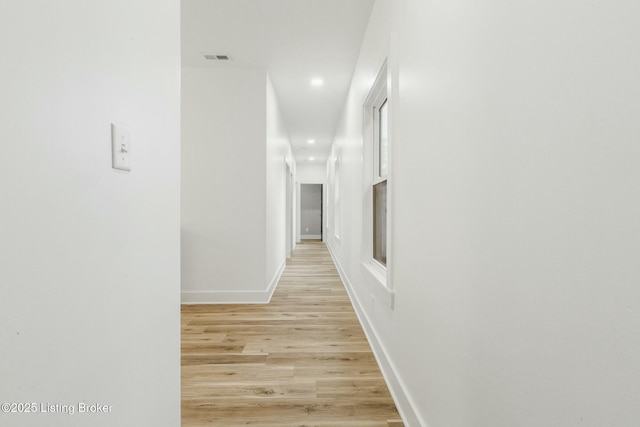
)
(378, 107)
(383, 140)
(336, 196)
(380, 222)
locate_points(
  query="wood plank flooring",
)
(301, 360)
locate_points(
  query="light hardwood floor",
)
(301, 360)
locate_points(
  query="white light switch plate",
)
(120, 147)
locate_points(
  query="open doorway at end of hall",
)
(310, 211)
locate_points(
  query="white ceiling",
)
(295, 40)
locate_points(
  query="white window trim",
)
(337, 201)
(379, 94)
(380, 100)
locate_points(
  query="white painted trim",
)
(311, 236)
(275, 279)
(379, 276)
(401, 397)
(298, 213)
(234, 297)
(224, 297)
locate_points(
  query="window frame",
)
(380, 102)
(337, 201)
(378, 97)
(374, 232)
(379, 177)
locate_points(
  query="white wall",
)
(234, 145)
(311, 173)
(89, 257)
(515, 233)
(223, 183)
(279, 154)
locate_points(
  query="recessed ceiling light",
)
(317, 82)
(312, 158)
(311, 141)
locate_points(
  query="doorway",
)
(311, 211)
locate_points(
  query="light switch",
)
(120, 147)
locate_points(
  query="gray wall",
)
(310, 210)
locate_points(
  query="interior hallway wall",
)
(90, 256)
(515, 237)
(223, 190)
(279, 155)
(234, 146)
(311, 173)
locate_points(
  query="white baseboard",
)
(234, 297)
(311, 236)
(403, 401)
(275, 279)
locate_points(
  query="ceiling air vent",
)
(212, 57)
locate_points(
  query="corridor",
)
(302, 359)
